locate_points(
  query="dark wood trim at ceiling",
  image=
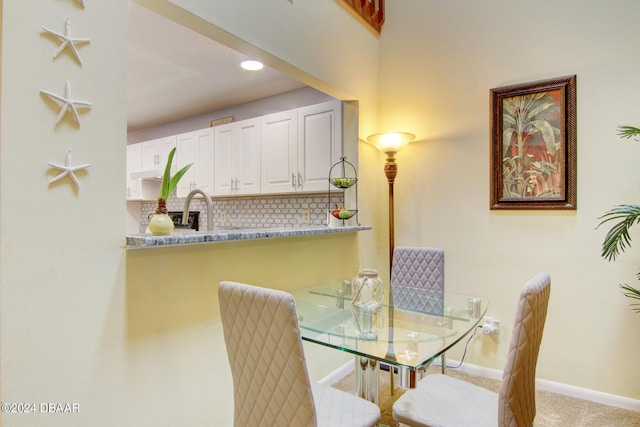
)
(370, 12)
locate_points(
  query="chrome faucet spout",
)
(207, 199)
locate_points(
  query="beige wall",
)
(62, 307)
(134, 338)
(438, 62)
(175, 346)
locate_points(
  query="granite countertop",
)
(141, 241)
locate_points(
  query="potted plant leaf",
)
(161, 224)
(618, 238)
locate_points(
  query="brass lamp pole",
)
(391, 170)
(390, 144)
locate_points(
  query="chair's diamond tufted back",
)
(271, 386)
(517, 402)
(417, 279)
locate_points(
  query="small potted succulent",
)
(161, 224)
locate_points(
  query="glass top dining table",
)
(408, 339)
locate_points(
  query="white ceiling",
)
(174, 73)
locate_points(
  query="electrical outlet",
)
(306, 216)
(490, 326)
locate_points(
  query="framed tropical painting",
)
(533, 145)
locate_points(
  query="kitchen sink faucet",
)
(207, 199)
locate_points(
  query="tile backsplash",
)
(255, 212)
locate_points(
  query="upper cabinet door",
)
(224, 170)
(237, 158)
(195, 147)
(247, 157)
(156, 152)
(299, 147)
(186, 152)
(319, 144)
(279, 133)
(134, 164)
(204, 161)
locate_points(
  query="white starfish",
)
(67, 40)
(67, 103)
(67, 169)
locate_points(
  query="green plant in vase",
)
(161, 224)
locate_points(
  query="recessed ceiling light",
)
(252, 65)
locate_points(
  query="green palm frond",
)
(631, 292)
(628, 132)
(618, 239)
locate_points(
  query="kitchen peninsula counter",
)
(142, 241)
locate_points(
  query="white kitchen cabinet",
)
(279, 163)
(195, 147)
(319, 144)
(134, 164)
(237, 158)
(286, 152)
(156, 152)
(299, 146)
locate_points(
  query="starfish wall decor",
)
(67, 103)
(67, 169)
(67, 40)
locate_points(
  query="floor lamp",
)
(390, 143)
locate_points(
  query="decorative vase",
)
(161, 224)
(366, 306)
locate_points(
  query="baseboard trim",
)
(554, 387)
(339, 373)
(496, 374)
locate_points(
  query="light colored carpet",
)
(553, 410)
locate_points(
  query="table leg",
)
(367, 379)
(406, 377)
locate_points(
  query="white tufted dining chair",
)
(271, 386)
(417, 281)
(444, 401)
